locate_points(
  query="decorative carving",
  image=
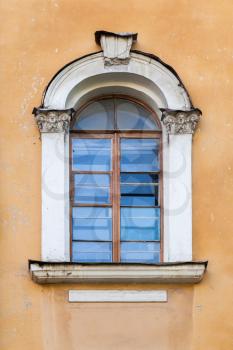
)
(180, 122)
(116, 46)
(53, 120)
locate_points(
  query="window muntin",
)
(115, 195)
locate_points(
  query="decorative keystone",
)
(50, 120)
(116, 46)
(180, 122)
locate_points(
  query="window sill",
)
(66, 272)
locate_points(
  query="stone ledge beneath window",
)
(66, 272)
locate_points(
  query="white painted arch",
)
(150, 81)
(143, 74)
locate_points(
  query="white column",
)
(177, 197)
(55, 196)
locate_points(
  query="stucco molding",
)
(53, 121)
(142, 76)
(116, 46)
(180, 122)
(48, 272)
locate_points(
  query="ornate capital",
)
(116, 46)
(180, 122)
(50, 120)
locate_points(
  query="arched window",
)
(113, 209)
(116, 182)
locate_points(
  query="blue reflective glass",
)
(98, 115)
(139, 155)
(92, 223)
(132, 116)
(140, 224)
(91, 252)
(140, 252)
(139, 189)
(92, 188)
(91, 154)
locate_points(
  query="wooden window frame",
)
(115, 194)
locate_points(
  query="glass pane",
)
(140, 252)
(139, 155)
(91, 154)
(98, 115)
(139, 189)
(140, 224)
(131, 116)
(92, 252)
(92, 188)
(92, 224)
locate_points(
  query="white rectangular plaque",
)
(117, 296)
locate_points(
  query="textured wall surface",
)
(37, 39)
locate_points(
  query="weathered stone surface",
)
(52, 121)
(180, 122)
(116, 46)
(48, 272)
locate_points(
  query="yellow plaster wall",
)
(37, 39)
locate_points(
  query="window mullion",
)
(116, 200)
(115, 195)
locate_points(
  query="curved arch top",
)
(115, 112)
(144, 77)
